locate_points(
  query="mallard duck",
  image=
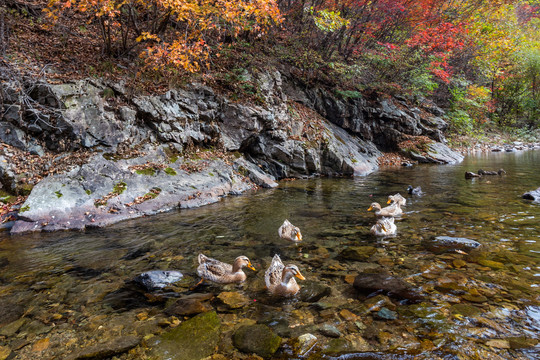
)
(280, 280)
(415, 191)
(384, 227)
(397, 198)
(289, 232)
(223, 273)
(391, 210)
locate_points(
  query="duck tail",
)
(202, 258)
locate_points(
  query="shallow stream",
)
(64, 293)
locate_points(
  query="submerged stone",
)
(107, 349)
(521, 342)
(495, 265)
(312, 291)
(305, 343)
(258, 339)
(391, 285)
(465, 310)
(193, 339)
(158, 279)
(190, 305)
(233, 300)
(330, 331)
(358, 253)
(440, 244)
(386, 314)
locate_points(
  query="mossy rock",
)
(465, 310)
(193, 339)
(258, 339)
(495, 265)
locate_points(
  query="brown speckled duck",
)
(384, 227)
(397, 198)
(289, 232)
(280, 280)
(223, 273)
(390, 211)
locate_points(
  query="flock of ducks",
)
(385, 225)
(280, 278)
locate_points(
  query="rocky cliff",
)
(191, 146)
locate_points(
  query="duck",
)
(415, 191)
(397, 198)
(223, 273)
(289, 232)
(391, 210)
(384, 227)
(279, 279)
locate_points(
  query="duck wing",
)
(273, 274)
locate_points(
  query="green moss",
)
(170, 171)
(24, 208)
(174, 158)
(211, 174)
(108, 93)
(88, 191)
(147, 171)
(24, 189)
(119, 188)
(58, 194)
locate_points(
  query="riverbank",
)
(89, 153)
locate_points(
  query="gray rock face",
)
(158, 279)
(533, 195)
(345, 138)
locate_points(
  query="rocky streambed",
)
(458, 281)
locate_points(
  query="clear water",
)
(74, 289)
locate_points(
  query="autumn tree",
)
(176, 33)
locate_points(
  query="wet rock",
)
(312, 291)
(304, 344)
(440, 244)
(533, 195)
(521, 342)
(10, 312)
(258, 339)
(475, 298)
(330, 331)
(190, 305)
(465, 310)
(347, 345)
(193, 339)
(390, 285)
(107, 349)
(234, 300)
(12, 328)
(386, 314)
(158, 279)
(495, 265)
(498, 343)
(5, 352)
(357, 253)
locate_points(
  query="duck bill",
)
(298, 237)
(300, 276)
(370, 208)
(389, 201)
(251, 266)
